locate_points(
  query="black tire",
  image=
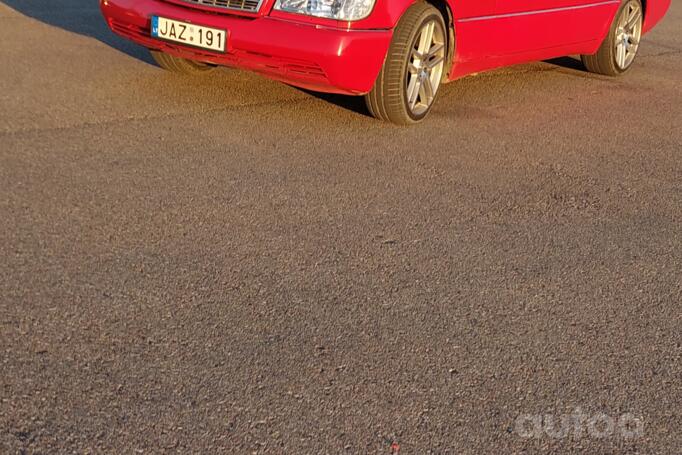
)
(605, 60)
(388, 99)
(180, 65)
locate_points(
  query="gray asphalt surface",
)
(231, 265)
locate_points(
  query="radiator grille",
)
(251, 6)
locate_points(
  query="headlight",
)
(342, 10)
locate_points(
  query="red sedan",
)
(396, 53)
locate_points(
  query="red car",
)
(394, 52)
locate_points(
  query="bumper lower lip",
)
(317, 58)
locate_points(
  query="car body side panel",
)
(567, 22)
(387, 13)
(521, 6)
(655, 10)
(498, 40)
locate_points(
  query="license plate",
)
(194, 35)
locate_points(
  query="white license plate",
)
(190, 34)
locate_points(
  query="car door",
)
(531, 25)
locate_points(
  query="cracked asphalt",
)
(231, 265)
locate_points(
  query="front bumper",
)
(310, 56)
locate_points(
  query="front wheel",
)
(180, 65)
(413, 70)
(618, 51)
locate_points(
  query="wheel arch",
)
(388, 13)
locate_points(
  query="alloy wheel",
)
(628, 35)
(425, 67)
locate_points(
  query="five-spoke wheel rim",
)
(425, 67)
(628, 34)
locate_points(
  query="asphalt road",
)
(231, 265)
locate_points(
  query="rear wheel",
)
(413, 71)
(180, 65)
(617, 53)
